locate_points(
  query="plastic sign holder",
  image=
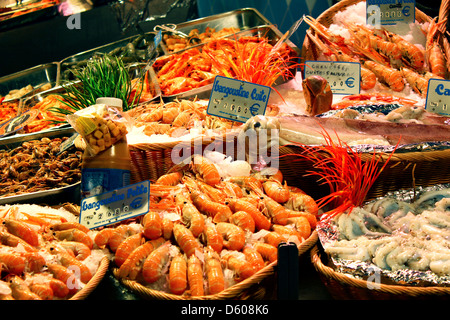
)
(390, 12)
(114, 206)
(237, 100)
(287, 271)
(438, 97)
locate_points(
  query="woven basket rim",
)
(394, 290)
(229, 293)
(95, 280)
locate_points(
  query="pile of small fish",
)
(44, 253)
(404, 241)
(205, 231)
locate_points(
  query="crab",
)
(318, 95)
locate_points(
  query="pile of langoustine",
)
(175, 117)
(44, 253)
(385, 57)
(249, 58)
(204, 233)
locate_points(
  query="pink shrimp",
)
(233, 236)
(155, 263)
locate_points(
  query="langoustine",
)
(220, 253)
(45, 254)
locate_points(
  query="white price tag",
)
(390, 12)
(343, 77)
(114, 206)
(438, 97)
(237, 100)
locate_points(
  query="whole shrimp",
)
(241, 267)
(212, 238)
(22, 230)
(205, 169)
(416, 81)
(233, 236)
(411, 54)
(178, 274)
(195, 276)
(214, 271)
(244, 220)
(433, 51)
(191, 216)
(126, 247)
(276, 211)
(277, 191)
(185, 239)
(153, 225)
(393, 78)
(261, 221)
(133, 263)
(155, 262)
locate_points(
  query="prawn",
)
(299, 201)
(242, 268)
(244, 220)
(214, 271)
(195, 276)
(155, 262)
(413, 56)
(167, 228)
(267, 251)
(103, 236)
(192, 218)
(302, 226)
(35, 262)
(185, 239)
(393, 78)
(59, 226)
(312, 219)
(261, 221)
(275, 210)
(68, 261)
(59, 288)
(122, 232)
(74, 235)
(153, 225)
(15, 264)
(126, 247)
(133, 263)
(66, 276)
(253, 257)
(170, 179)
(416, 81)
(233, 236)
(20, 290)
(77, 249)
(212, 238)
(43, 290)
(433, 52)
(22, 230)
(11, 240)
(178, 274)
(218, 211)
(277, 191)
(205, 169)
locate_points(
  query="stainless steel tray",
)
(35, 76)
(118, 48)
(69, 193)
(269, 31)
(243, 19)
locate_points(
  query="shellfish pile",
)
(44, 253)
(206, 231)
(406, 242)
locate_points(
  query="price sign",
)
(114, 206)
(343, 77)
(237, 100)
(390, 12)
(438, 96)
(17, 123)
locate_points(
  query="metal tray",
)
(243, 19)
(269, 31)
(35, 76)
(114, 48)
(69, 193)
(30, 17)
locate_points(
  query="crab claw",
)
(318, 95)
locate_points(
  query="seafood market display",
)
(211, 225)
(389, 59)
(175, 42)
(38, 165)
(404, 239)
(19, 93)
(230, 57)
(177, 118)
(45, 254)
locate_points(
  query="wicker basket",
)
(404, 170)
(95, 280)
(262, 285)
(344, 287)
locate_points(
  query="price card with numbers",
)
(343, 77)
(114, 206)
(438, 97)
(390, 12)
(237, 100)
